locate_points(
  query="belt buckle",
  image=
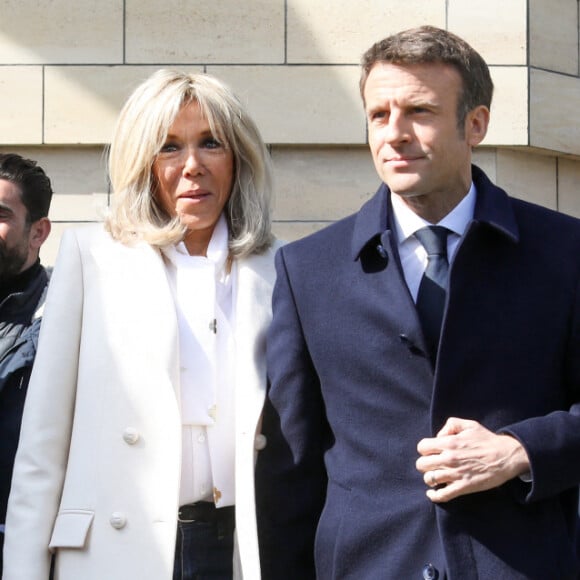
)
(183, 510)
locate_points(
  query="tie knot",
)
(434, 240)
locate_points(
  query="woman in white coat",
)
(141, 424)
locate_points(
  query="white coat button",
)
(131, 435)
(118, 520)
(260, 442)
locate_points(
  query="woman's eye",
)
(211, 143)
(168, 148)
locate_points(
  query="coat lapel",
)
(374, 228)
(253, 313)
(253, 297)
(136, 275)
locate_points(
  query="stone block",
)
(61, 32)
(291, 231)
(302, 104)
(509, 108)
(82, 103)
(204, 31)
(21, 105)
(339, 32)
(79, 208)
(554, 100)
(528, 176)
(322, 183)
(569, 186)
(554, 35)
(76, 170)
(495, 28)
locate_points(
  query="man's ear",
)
(39, 231)
(476, 124)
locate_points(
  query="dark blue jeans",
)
(204, 551)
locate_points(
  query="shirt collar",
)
(493, 208)
(217, 249)
(407, 222)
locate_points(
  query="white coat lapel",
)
(147, 330)
(256, 276)
(253, 307)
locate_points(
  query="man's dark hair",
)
(34, 184)
(428, 44)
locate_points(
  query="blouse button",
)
(131, 435)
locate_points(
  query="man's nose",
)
(397, 128)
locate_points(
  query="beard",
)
(12, 260)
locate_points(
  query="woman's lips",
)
(195, 195)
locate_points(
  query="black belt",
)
(205, 511)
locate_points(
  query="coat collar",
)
(370, 221)
(492, 208)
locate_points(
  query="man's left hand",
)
(465, 457)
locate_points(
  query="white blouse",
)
(203, 292)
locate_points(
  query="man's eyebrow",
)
(6, 208)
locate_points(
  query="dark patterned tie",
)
(433, 287)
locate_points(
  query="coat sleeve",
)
(290, 479)
(553, 441)
(47, 422)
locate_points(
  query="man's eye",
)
(378, 115)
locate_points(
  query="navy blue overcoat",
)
(353, 391)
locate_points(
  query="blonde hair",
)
(138, 137)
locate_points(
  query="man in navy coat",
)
(392, 454)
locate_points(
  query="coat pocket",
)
(71, 529)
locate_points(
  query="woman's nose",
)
(193, 164)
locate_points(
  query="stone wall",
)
(67, 66)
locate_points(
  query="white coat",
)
(98, 466)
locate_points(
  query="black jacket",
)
(19, 327)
